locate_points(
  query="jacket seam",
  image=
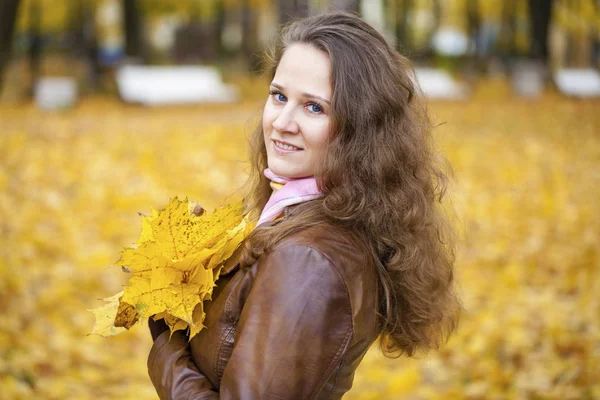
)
(226, 332)
(228, 312)
(336, 358)
(336, 380)
(218, 354)
(219, 360)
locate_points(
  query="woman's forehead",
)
(306, 69)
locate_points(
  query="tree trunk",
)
(346, 5)
(8, 18)
(403, 10)
(77, 28)
(508, 28)
(437, 19)
(473, 24)
(220, 14)
(35, 44)
(84, 42)
(250, 37)
(292, 9)
(540, 12)
(132, 28)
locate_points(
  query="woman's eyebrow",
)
(313, 96)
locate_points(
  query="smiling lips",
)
(283, 147)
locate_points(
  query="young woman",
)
(350, 245)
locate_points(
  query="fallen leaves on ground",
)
(526, 194)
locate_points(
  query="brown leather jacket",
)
(293, 326)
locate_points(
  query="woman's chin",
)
(283, 170)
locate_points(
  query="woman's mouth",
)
(284, 148)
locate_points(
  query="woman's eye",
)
(278, 96)
(315, 108)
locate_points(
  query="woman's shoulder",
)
(342, 249)
(329, 261)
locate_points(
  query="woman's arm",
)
(173, 372)
(294, 328)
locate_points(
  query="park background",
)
(79, 158)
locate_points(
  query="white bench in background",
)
(173, 85)
(439, 84)
(54, 93)
(584, 83)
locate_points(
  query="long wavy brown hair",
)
(381, 179)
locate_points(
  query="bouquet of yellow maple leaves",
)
(173, 267)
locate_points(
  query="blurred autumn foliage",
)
(526, 195)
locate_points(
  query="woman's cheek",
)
(268, 117)
(320, 134)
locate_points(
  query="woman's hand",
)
(157, 327)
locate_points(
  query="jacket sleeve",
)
(173, 372)
(294, 328)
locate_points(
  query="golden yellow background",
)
(526, 196)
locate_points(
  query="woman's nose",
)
(286, 120)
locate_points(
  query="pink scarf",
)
(294, 191)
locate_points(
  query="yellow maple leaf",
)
(106, 316)
(174, 267)
(126, 315)
(146, 234)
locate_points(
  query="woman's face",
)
(297, 113)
